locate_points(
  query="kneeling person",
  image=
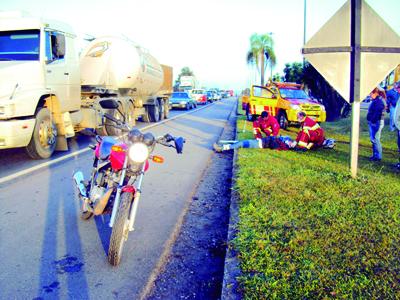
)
(266, 124)
(311, 135)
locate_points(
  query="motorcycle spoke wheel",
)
(120, 230)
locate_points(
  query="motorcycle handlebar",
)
(119, 124)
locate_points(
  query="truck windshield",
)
(293, 94)
(19, 45)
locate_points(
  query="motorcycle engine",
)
(96, 193)
(98, 190)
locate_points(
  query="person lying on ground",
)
(270, 142)
(266, 124)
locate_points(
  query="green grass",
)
(308, 230)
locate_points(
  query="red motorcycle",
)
(116, 179)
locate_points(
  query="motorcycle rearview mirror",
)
(109, 104)
(179, 141)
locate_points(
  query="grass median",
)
(307, 230)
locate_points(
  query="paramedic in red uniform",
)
(267, 124)
(311, 134)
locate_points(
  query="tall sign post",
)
(355, 78)
(354, 51)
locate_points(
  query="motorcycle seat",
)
(105, 147)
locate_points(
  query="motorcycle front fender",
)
(129, 189)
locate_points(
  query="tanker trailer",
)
(113, 67)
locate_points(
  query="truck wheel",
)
(162, 110)
(146, 116)
(154, 112)
(130, 114)
(282, 120)
(44, 137)
(109, 125)
(166, 109)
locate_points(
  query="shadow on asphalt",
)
(104, 231)
(61, 261)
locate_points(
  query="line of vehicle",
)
(79, 152)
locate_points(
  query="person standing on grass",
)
(396, 120)
(376, 122)
(266, 124)
(393, 96)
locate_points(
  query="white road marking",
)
(79, 152)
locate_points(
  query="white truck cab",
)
(48, 92)
(39, 83)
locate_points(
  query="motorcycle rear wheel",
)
(120, 230)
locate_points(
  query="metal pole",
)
(355, 72)
(304, 28)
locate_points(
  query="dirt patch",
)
(195, 267)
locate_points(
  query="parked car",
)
(224, 94)
(211, 96)
(200, 95)
(182, 100)
(217, 96)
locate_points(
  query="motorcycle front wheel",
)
(120, 230)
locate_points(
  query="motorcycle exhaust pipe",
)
(101, 203)
(79, 182)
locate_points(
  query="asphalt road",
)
(47, 252)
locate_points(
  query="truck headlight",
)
(295, 107)
(322, 108)
(138, 152)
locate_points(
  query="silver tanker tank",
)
(117, 64)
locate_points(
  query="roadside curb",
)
(230, 285)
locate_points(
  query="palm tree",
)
(261, 53)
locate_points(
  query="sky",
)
(211, 37)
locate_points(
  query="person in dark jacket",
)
(393, 96)
(375, 122)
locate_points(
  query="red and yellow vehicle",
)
(393, 77)
(282, 100)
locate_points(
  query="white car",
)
(200, 95)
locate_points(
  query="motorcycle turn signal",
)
(157, 159)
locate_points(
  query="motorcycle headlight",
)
(138, 152)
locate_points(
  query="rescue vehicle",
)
(283, 100)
